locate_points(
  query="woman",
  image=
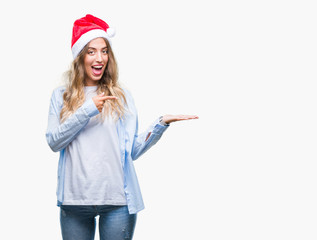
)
(93, 124)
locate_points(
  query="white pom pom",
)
(111, 32)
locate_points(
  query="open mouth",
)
(97, 70)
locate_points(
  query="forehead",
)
(97, 43)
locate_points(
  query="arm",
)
(144, 141)
(138, 144)
(147, 139)
(59, 135)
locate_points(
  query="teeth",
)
(99, 67)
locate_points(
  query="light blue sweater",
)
(93, 170)
(132, 144)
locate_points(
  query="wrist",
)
(161, 121)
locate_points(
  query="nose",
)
(98, 57)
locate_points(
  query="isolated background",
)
(245, 170)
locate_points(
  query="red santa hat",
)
(86, 29)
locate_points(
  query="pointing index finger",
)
(108, 97)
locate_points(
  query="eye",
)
(105, 51)
(90, 52)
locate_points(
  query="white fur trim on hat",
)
(86, 38)
(111, 32)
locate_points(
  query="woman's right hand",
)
(100, 100)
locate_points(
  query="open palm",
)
(174, 118)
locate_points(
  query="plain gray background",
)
(245, 170)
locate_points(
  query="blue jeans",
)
(78, 222)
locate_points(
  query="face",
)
(95, 61)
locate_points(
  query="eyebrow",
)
(96, 48)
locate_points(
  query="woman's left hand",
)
(174, 118)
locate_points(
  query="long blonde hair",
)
(74, 96)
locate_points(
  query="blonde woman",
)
(93, 124)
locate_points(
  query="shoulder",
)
(57, 95)
(58, 92)
(129, 99)
(127, 93)
(128, 96)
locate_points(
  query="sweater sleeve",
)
(59, 135)
(145, 140)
